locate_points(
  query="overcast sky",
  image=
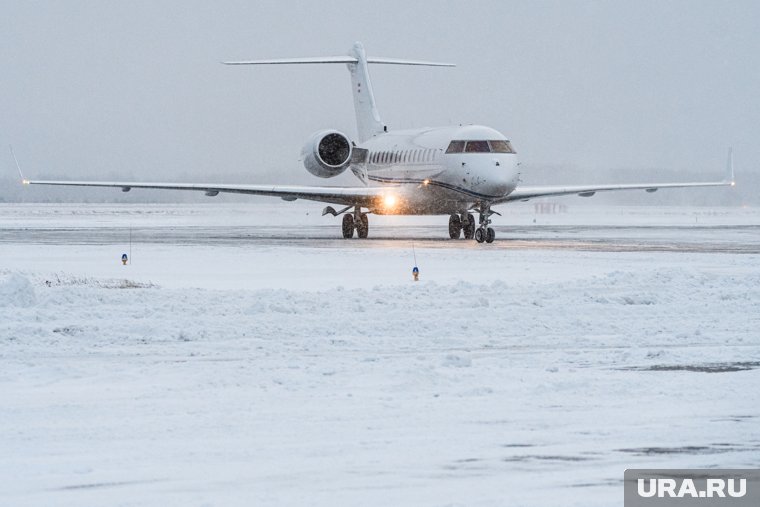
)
(102, 88)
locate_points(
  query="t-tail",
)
(368, 122)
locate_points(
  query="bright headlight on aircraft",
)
(389, 201)
(425, 182)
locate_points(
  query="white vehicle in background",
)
(455, 171)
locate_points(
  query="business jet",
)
(457, 171)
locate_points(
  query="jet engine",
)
(327, 153)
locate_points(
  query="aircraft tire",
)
(362, 228)
(455, 227)
(468, 226)
(490, 235)
(348, 226)
(479, 235)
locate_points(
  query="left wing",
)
(526, 193)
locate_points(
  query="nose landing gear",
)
(487, 235)
(484, 232)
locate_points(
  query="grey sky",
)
(97, 89)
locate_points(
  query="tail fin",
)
(368, 122)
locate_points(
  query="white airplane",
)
(455, 171)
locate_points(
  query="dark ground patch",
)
(700, 368)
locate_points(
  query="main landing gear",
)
(355, 221)
(465, 223)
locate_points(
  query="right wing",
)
(348, 196)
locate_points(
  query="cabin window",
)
(455, 147)
(477, 147)
(501, 147)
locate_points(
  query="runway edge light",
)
(415, 269)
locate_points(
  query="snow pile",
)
(428, 391)
(16, 290)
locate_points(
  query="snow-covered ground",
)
(247, 356)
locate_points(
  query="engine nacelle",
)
(327, 153)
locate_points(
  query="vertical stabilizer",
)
(368, 122)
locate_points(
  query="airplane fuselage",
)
(441, 170)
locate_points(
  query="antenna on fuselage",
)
(368, 122)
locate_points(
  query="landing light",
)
(389, 201)
(24, 182)
(425, 182)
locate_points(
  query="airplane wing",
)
(527, 193)
(348, 196)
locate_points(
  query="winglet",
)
(730, 167)
(24, 181)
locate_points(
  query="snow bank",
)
(16, 290)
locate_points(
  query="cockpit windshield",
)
(477, 147)
(501, 147)
(498, 146)
(455, 147)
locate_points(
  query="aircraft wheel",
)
(362, 228)
(348, 226)
(468, 224)
(455, 226)
(479, 235)
(490, 235)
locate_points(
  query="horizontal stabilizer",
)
(285, 61)
(396, 61)
(336, 59)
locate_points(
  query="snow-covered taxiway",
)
(250, 357)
